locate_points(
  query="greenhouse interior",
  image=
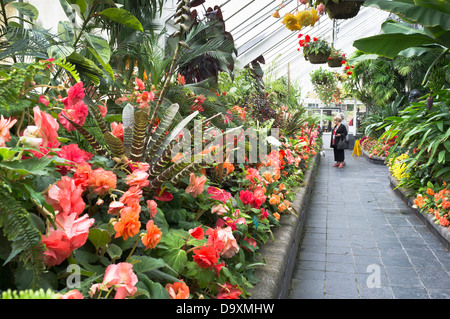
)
(225, 149)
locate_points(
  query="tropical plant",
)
(402, 38)
(373, 123)
(423, 129)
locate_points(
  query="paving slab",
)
(361, 241)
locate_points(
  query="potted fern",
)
(315, 50)
(335, 59)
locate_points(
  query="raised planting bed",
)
(374, 159)
(442, 233)
(280, 254)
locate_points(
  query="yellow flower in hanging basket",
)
(276, 14)
(291, 22)
(304, 18)
(315, 16)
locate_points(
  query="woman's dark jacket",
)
(341, 130)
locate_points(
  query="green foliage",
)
(29, 294)
(325, 84)
(424, 132)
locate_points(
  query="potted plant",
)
(341, 9)
(315, 50)
(336, 58)
(321, 77)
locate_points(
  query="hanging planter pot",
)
(317, 58)
(343, 9)
(334, 63)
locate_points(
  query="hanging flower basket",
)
(335, 63)
(317, 58)
(343, 9)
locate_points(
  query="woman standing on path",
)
(339, 133)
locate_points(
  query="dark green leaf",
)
(123, 17)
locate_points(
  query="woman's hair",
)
(338, 118)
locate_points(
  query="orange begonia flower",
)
(196, 186)
(129, 224)
(153, 235)
(178, 290)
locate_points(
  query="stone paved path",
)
(362, 241)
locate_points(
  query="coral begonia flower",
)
(44, 100)
(122, 278)
(153, 235)
(102, 181)
(181, 80)
(206, 256)
(72, 294)
(140, 86)
(138, 178)
(152, 207)
(48, 127)
(58, 247)
(76, 229)
(128, 225)
(117, 130)
(178, 290)
(196, 186)
(5, 125)
(219, 209)
(228, 291)
(81, 175)
(74, 107)
(197, 232)
(74, 155)
(65, 197)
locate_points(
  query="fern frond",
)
(25, 239)
(69, 67)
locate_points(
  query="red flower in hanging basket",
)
(349, 73)
(315, 39)
(343, 62)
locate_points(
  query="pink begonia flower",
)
(122, 278)
(321, 9)
(219, 209)
(58, 247)
(117, 130)
(72, 294)
(138, 178)
(44, 100)
(223, 238)
(115, 207)
(196, 186)
(5, 125)
(48, 128)
(65, 197)
(74, 155)
(74, 107)
(140, 86)
(76, 229)
(102, 109)
(152, 207)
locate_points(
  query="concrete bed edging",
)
(280, 254)
(442, 233)
(373, 159)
